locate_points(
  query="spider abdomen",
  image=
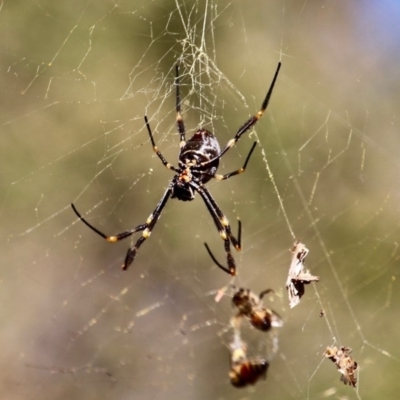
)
(201, 147)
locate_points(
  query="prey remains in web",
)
(298, 276)
(250, 306)
(245, 371)
(197, 163)
(344, 363)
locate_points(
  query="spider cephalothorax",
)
(198, 150)
(198, 163)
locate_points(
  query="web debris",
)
(298, 276)
(344, 362)
(245, 370)
(250, 305)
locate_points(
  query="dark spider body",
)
(198, 163)
(200, 148)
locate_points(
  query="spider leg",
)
(222, 225)
(221, 217)
(146, 228)
(248, 124)
(239, 171)
(239, 233)
(224, 236)
(111, 239)
(212, 255)
(179, 121)
(216, 261)
(155, 148)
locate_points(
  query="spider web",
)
(78, 79)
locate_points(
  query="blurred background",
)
(77, 79)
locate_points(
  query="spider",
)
(198, 163)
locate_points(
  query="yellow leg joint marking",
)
(218, 177)
(223, 235)
(182, 144)
(149, 219)
(146, 233)
(231, 142)
(112, 239)
(224, 221)
(259, 114)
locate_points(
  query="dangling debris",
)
(251, 306)
(345, 364)
(245, 371)
(298, 276)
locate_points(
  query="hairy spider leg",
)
(248, 124)
(146, 228)
(224, 221)
(155, 148)
(216, 261)
(220, 222)
(151, 220)
(179, 121)
(111, 239)
(238, 171)
(149, 225)
(239, 233)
